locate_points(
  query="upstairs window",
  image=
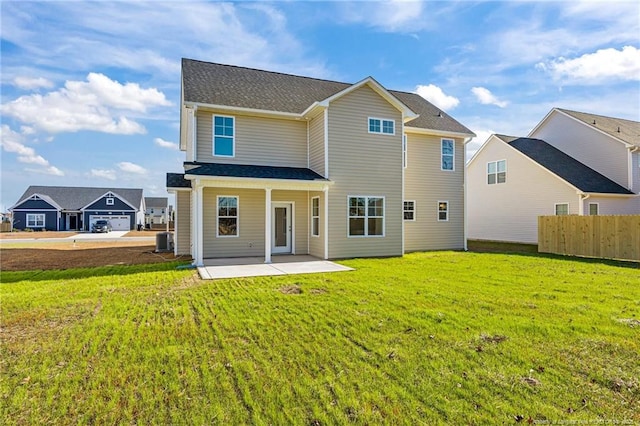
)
(448, 149)
(110, 201)
(380, 125)
(223, 136)
(497, 172)
(562, 209)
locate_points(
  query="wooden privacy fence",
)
(5, 227)
(608, 237)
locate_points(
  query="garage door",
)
(119, 223)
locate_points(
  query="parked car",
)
(101, 226)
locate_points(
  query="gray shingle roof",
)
(566, 167)
(75, 198)
(156, 202)
(259, 172)
(177, 180)
(625, 130)
(218, 84)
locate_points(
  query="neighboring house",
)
(157, 210)
(60, 208)
(278, 163)
(571, 163)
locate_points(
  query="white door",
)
(281, 228)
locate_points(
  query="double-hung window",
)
(227, 216)
(443, 211)
(562, 209)
(593, 209)
(448, 150)
(381, 125)
(315, 216)
(366, 216)
(223, 136)
(409, 209)
(496, 172)
(35, 220)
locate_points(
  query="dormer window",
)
(223, 136)
(110, 201)
(381, 125)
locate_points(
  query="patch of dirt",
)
(531, 381)
(631, 322)
(497, 338)
(65, 255)
(318, 291)
(291, 289)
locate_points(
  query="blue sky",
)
(90, 90)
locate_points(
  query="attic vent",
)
(440, 114)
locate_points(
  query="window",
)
(443, 211)
(110, 201)
(448, 152)
(223, 136)
(315, 216)
(409, 210)
(366, 216)
(593, 209)
(562, 209)
(35, 220)
(227, 216)
(379, 125)
(497, 172)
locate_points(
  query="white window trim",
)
(366, 216)
(213, 137)
(110, 201)
(33, 217)
(453, 155)
(496, 173)
(404, 211)
(438, 211)
(237, 216)
(382, 120)
(313, 217)
(597, 208)
(555, 209)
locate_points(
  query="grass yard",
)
(431, 338)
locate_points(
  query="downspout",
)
(582, 197)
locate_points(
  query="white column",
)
(267, 225)
(194, 224)
(198, 237)
(326, 222)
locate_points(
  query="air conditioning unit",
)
(164, 242)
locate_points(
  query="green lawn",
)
(431, 338)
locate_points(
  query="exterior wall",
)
(613, 205)
(316, 244)
(258, 141)
(509, 211)
(316, 144)
(183, 223)
(50, 219)
(586, 145)
(364, 164)
(426, 184)
(635, 170)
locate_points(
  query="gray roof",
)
(156, 202)
(251, 171)
(625, 130)
(229, 85)
(566, 167)
(76, 197)
(177, 180)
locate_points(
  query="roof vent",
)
(440, 114)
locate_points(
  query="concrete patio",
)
(255, 267)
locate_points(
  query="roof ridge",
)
(596, 115)
(267, 71)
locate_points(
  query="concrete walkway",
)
(255, 267)
(98, 236)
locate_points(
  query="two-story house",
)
(157, 211)
(570, 163)
(279, 163)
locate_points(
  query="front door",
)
(281, 228)
(73, 225)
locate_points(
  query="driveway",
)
(98, 236)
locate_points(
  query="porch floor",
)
(255, 267)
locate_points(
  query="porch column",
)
(267, 225)
(199, 225)
(326, 222)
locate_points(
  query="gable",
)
(109, 201)
(36, 202)
(72, 198)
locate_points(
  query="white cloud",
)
(98, 104)
(165, 144)
(485, 97)
(29, 83)
(436, 96)
(12, 141)
(128, 167)
(104, 174)
(474, 144)
(593, 68)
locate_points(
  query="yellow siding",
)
(364, 164)
(183, 223)
(258, 141)
(426, 184)
(316, 144)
